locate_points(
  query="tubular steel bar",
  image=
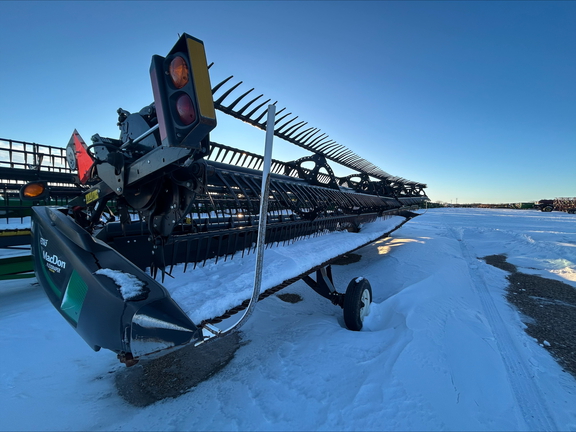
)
(260, 245)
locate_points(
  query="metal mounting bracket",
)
(324, 285)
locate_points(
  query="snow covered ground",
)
(232, 282)
(441, 349)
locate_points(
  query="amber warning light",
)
(34, 191)
(179, 72)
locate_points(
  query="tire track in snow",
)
(530, 399)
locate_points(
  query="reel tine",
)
(256, 109)
(241, 110)
(305, 133)
(174, 254)
(233, 104)
(221, 83)
(257, 119)
(208, 241)
(337, 148)
(219, 250)
(278, 112)
(292, 129)
(285, 124)
(347, 156)
(293, 132)
(282, 118)
(339, 154)
(187, 256)
(226, 93)
(325, 145)
(235, 246)
(316, 140)
(309, 138)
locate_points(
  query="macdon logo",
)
(54, 260)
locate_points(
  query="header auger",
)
(163, 194)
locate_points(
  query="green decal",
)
(74, 297)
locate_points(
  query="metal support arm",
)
(324, 285)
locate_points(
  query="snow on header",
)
(129, 285)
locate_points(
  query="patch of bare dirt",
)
(290, 297)
(176, 373)
(550, 306)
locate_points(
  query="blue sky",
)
(476, 99)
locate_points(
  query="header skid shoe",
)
(110, 302)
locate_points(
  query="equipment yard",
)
(161, 280)
(442, 348)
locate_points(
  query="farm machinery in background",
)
(567, 205)
(163, 194)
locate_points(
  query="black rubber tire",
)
(547, 209)
(354, 303)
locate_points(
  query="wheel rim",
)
(365, 300)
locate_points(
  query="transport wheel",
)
(547, 209)
(357, 303)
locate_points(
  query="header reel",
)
(164, 194)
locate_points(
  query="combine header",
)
(163, 198)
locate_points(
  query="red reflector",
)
(185, 109)
(83, 159)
